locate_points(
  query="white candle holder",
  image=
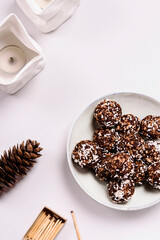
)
(20, 56)
(48, 15)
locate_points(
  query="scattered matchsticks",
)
(46, 226)
(75, 225)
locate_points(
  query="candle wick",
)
(11, 59)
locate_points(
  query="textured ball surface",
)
(128, 124)
(86, 153)
(152, 153)
(153, 175)
(150, 127)
(120, 165)
(133, 144)
(100, 168)
(121, 191)
(139, 172)
(108, 113)
(106, 138)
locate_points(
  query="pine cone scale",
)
(34, 156)
(26, 155)
(18, 159)
(38, 149)
(29, 148)
(19, 152)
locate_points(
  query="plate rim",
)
(117, 207)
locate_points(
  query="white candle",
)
(48, 15)
(21, 57)
(43, 3)
(12, 59)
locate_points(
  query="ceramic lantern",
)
(48, 15)
(21, 57)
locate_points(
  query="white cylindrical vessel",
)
(21, 57)
(48, 15)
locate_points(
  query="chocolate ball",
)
(140, 169)
(153, 175)
(132, 144)
(121, 191)
(150, 127)
(128, 124)
(100, 168)
(120, 165)
(106, 138)
(151, 153)
(108, 113)
(86, 153)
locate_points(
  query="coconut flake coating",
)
(103, 153)
(150, 127)
(108, 113)
(121, 191)
(128, 124)
(86, 153)
(120, 165)
(133, 144)
(153, 175)
(152, 152)
(140, 169)
(100, 168)
(106, 138)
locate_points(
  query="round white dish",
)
(83, 128)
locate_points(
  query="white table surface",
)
(107, 46)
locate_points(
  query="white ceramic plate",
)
(83, 129)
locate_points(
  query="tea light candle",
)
(48, 15)
(21, 58)
(12, 59)
(43, 3)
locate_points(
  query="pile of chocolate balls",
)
(124, 151)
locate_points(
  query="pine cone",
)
(17, 162)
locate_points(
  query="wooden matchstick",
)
(50, 230)
(35, 223)
(55, 232)
(43, 237)
(43, 230)
(40, 229)
(53, 229)
(39, 224)
(58, 229)
(36, 226)
(76, 226)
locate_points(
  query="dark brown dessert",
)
(153, 175)
(85, 154)
(106, 138)
(128, 124)
(133, 144)
(100, 168)
(121, 191)
(120, 166)
(151, 153)
(150, 127)
(108, 113)
(140, 169)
